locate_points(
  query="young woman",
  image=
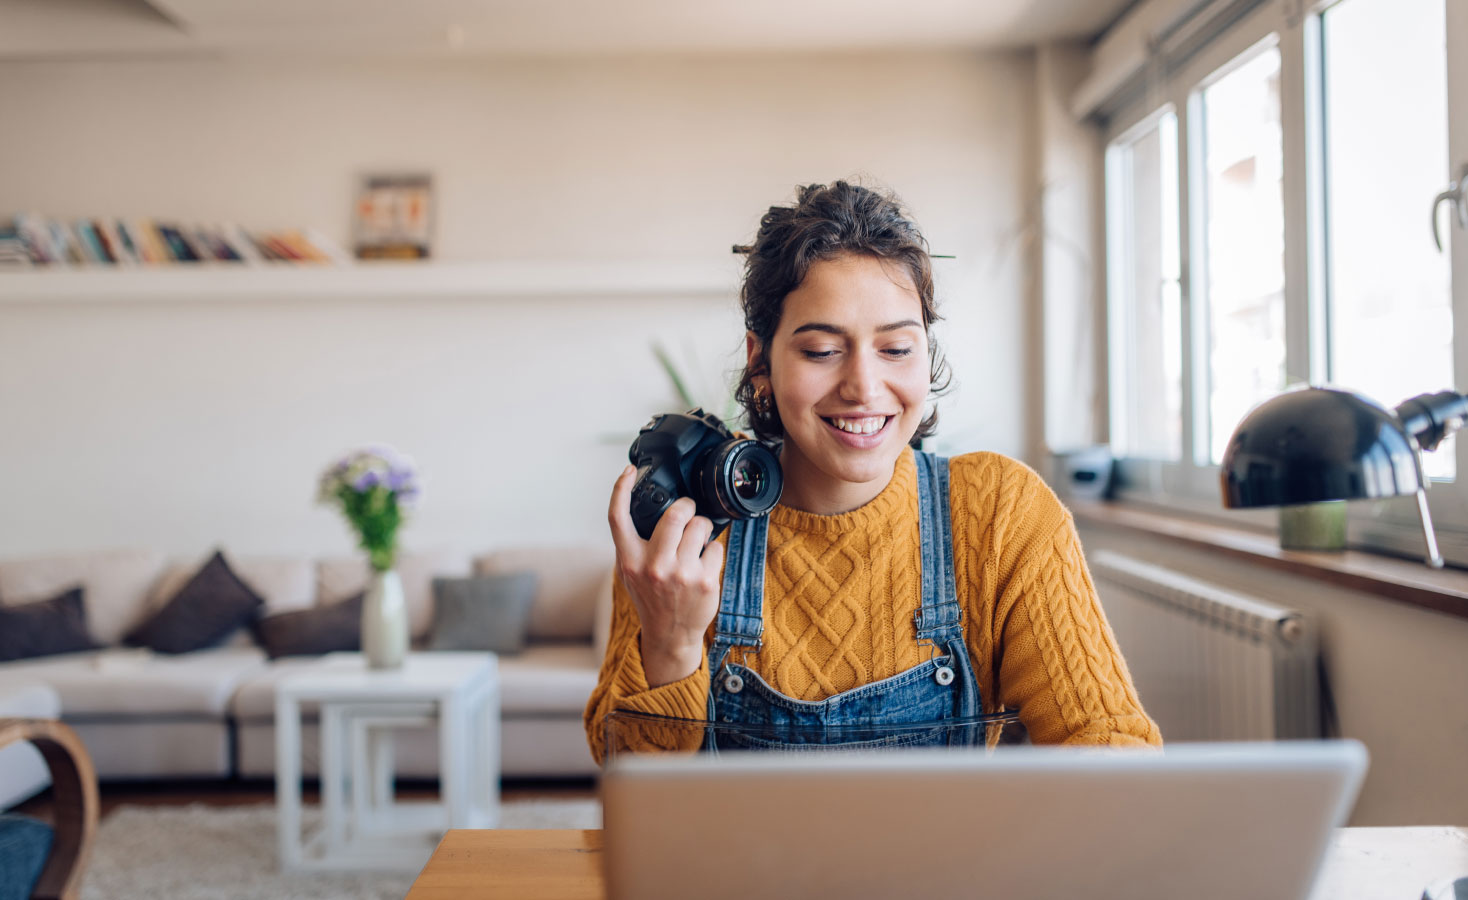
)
(889, 586)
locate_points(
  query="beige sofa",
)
(209, 714)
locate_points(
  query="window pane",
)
(1145, 259)
(1243, 160)
(1386, 150)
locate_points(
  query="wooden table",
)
(1366, 863)
(524, 865)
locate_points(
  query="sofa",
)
(209, 713)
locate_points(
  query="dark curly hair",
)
(827, 221)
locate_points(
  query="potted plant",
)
(375, 488)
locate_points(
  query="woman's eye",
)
(898, 352)
(818, 354)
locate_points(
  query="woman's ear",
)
(751, 349)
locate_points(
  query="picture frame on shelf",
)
(393, 216)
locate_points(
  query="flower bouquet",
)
(375, 488)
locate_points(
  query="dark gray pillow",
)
(203, 613)
(484, 612)
(310, 632)
(45, 627)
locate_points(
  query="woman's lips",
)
(858, 441)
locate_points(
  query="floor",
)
(235, 793)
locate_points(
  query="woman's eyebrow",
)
(838, 330)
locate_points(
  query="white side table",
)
(457, 691)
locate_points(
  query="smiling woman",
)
(889, 587)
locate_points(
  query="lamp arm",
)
(1431, 418)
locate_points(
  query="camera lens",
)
(747, 479)
(741, 478)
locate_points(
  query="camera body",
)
(693, 455)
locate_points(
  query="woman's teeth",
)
(869, 425)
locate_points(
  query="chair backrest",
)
(74, 795)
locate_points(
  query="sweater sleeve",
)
(622, 685)
(1057, 659)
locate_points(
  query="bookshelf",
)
(506, 279)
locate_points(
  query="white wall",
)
(185, 425)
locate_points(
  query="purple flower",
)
(366, 481)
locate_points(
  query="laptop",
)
(1196, 821)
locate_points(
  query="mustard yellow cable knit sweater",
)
(840, 593)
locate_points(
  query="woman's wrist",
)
(664, 662)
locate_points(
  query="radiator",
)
(1211, 664)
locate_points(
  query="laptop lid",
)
(1201, 821)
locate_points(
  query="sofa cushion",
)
(44, 627)
(341, 577)
(284, 583)
(548, 679)
(482, 612)
(205, 611)
(116, 585)
(311, 632)
(123, 682)
(569, 578)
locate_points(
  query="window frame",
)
(1191, 485)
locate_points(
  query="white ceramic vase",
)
(385, 621)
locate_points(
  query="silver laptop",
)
(1196, 821)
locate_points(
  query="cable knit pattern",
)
(840, 593)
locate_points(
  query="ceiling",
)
(88, 28)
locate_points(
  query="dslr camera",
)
(693, 455)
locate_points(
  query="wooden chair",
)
(74, 802)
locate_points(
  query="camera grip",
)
(649, 502)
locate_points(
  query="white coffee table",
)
(359, 707)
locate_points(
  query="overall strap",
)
(741, 618)
(938, 620)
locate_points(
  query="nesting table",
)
(360, 708)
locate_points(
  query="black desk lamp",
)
(1311, 444)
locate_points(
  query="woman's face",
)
(849, 369)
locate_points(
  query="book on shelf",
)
(13, 250)
(147, 242)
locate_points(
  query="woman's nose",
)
(859, 383)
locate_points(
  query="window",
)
(1243, 242)
(1141, 174)
(1386, 149)
(1267, 219)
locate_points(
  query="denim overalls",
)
(867, 716)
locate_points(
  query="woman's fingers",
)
(662, 548)
(695, 536)
(619, 516)
(712, 560)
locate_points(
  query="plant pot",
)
(1313, 526)
(385, 622)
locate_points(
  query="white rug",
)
(199, 852)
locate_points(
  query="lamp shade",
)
(1310, 444)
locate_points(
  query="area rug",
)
(199, 852)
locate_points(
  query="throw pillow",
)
(311, 632)
(202, 614)
(44, 627)
(483, 612)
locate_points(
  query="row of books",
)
(33, 240)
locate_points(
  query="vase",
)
(385, 622)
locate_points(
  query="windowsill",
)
(1416, 584)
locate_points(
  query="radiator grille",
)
(1211, 664)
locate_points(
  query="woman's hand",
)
(673, 580)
